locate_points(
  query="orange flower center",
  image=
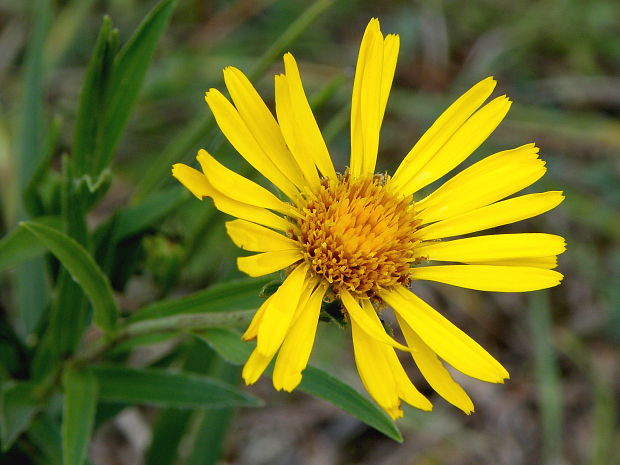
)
(358, 235)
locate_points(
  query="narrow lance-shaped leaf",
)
(92, 101)
(69, 307)
(19, 245)
(80, 401)
(242, 294)
(169, 389)
(83, 269)
(130, 68)
(315, 382)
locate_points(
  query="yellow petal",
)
(252, 330)
(309, 134)
(255, 366)
(297, 346)
(367, 320)
(493, 247)
(250, 212)
(445, 339)
(238, 187)
(192, 179)
(199, 185)
(242, 139)
(268, 262)
(490, 277)
(250, 236)
(279, 314)
(490, 216)
(433, 370)
(261, 123)
(406, 390)
(292, 133)
(461, 145)
(441, 131)
(549, 262)
(375, 372)
(483, 183)
(391, 45)
(366, 102)
(383, 375)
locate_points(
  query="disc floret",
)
(358, 235)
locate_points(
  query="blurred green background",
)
(559, 60)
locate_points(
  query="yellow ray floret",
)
(373, 79)
(445, 339)
(440, 133)
(494, 278)
(297, 346)
(494, 247)
(268, 262)
(279, 314)
(198, 184)
(245, 142)
(295, 137)
(433, 370)
(307, 135)
(261, 123)
(238, 187)
(256, 238)
(490, 216)
(363, 318)
(383, 375)
(483, 183)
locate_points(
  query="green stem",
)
(182, 322)
(193, 321)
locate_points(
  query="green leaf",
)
(83, 269)
(69, 310)
(235, 295)
(169, 389)
(315, 382)
(227, 342)
(19, 245)
(67, 320)
(130, 68)
(92, 99)
(327, 387)
(18, 405)
(80, 402)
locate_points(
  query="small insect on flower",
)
(360, 238)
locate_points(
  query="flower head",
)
(362, 239)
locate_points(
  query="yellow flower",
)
(360, 238)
